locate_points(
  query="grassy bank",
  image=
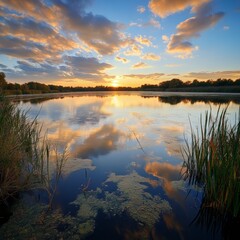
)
(212, 160)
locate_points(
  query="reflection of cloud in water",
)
(170, 175)
(172, 137)
(89, 113)
(101, 142)
(142, 118)
(173, 224)
(163, 170)
(75, 164)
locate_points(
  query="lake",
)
(122, 178)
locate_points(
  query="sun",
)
(115, 83)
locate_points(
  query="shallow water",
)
(122, 179)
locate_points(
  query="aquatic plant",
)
(25, 154)
(18, 137)
(212, 160)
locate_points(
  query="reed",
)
(25, 155)
(18, 135)
(212, 160)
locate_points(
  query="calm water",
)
(122, 179)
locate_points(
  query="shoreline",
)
(142, 93)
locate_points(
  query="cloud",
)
(86, 65)
(226, 28)
(204, 19)
(19, 48)
(164, 8)
(140, 65)
(120, 59)
(2, 66)
(134, 50)
(151, 23)
(214, 75)
(96, 31)
(172, 65)
(30, 30)
(141, 9)
(151, 56)
(32, 8)
(73, 67)
(152, 76)
(165, 38)
(143, 40)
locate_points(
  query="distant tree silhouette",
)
(174, 83)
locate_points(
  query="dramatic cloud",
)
(32, 8)
(190, 28)
(151, 56)
(140, 65)
(86, 65)
(96, 31)
(164, 8)
(30, 30)
(89, 69)
(73, 67)
(19, 48)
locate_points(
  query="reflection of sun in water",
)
(115, 101)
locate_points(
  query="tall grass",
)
(18, 136)
(212, 160)
(25, 154)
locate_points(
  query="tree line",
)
(175, 84)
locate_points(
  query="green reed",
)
(25, 154)
(212, 160)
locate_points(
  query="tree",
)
(3, 81)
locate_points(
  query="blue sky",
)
(119, 43)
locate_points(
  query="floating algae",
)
(36, 222)
(130, 197)
(141, 205)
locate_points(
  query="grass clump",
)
(25, 155)
(18, 137)
(212, 160)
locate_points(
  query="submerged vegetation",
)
(212, 160)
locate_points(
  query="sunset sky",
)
(119, 42)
